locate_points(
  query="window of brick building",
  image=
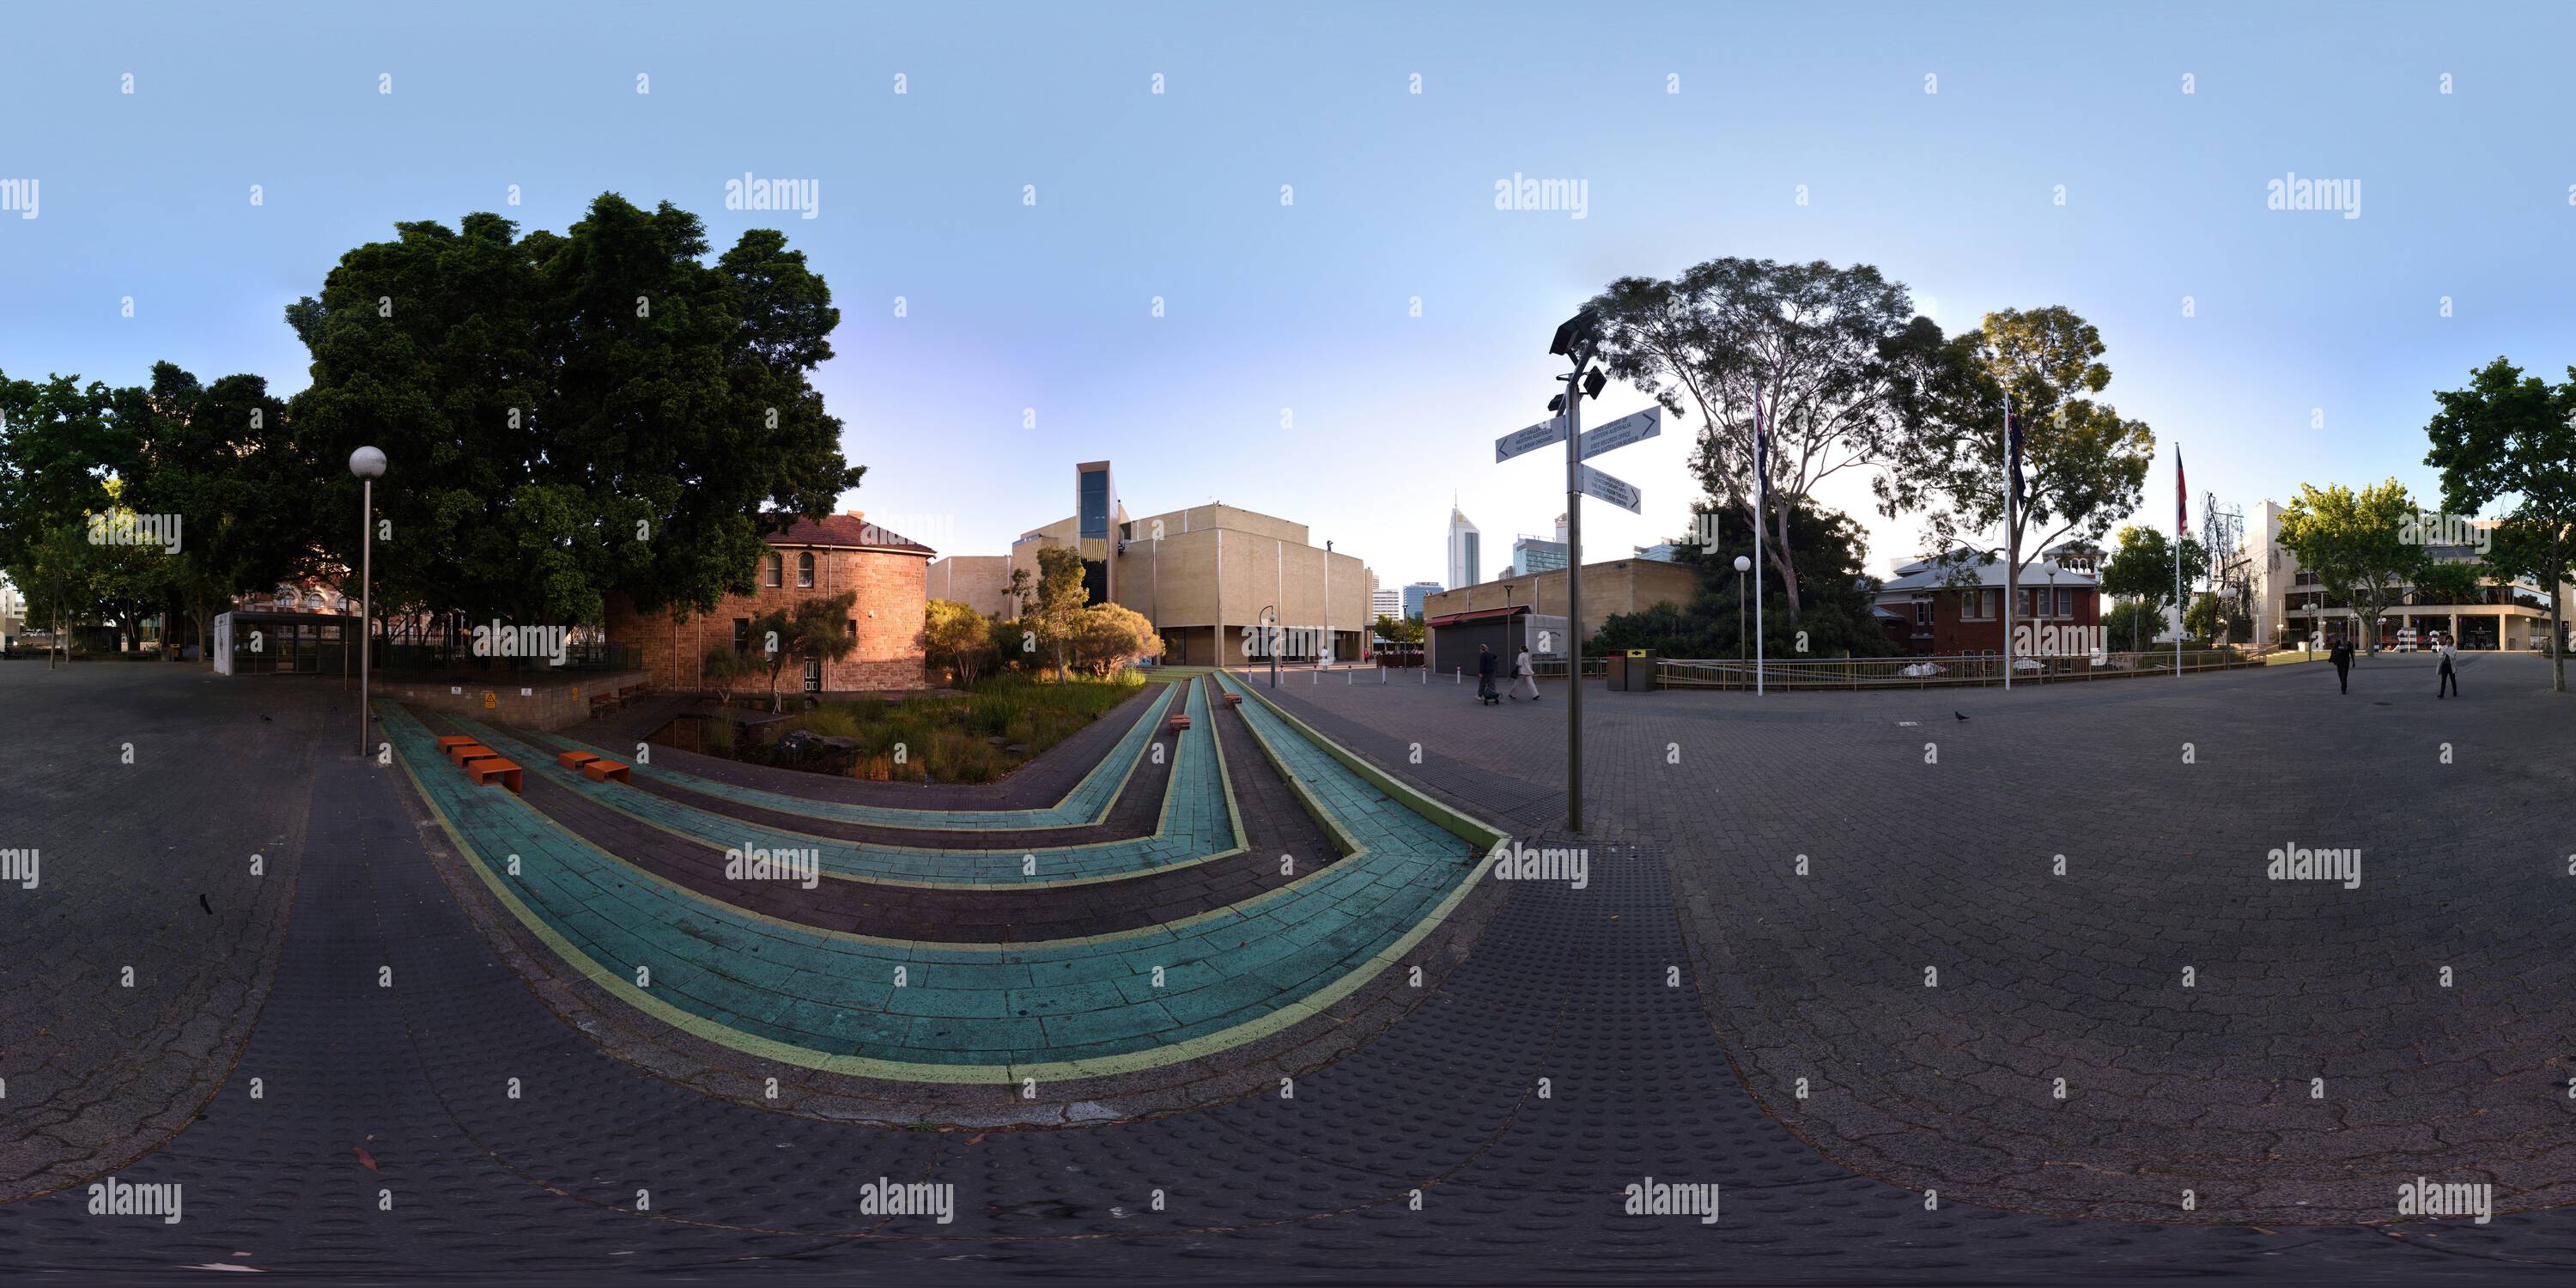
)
(741, 633)
(805, 569)
(772, 568)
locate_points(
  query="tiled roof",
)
(849, 531)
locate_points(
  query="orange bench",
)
(600, 769)
(574, 759)
(1234, 699)
(468, 750)
(1179, 723)
(484, 769)
(446, 741)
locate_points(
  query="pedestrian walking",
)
(2341, 656)
(2449, 679)
(1485, 676)
(1527, 676)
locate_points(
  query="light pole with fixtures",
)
(369, 465)
(1742, 566)
(1270, 640)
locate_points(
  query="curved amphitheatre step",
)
(1198, 824)
(1086, 803)
(1230, 979)
(1282, 843)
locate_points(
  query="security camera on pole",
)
(1576, 339)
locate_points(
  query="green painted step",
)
(1198, 823)
(1072, 1008)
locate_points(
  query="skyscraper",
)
(1464, 550)
(1386, 601)
(1416, 593)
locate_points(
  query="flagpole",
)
(1760, 479)
(2009, 479)
(2182, 516)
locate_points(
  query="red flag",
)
(2182, 498)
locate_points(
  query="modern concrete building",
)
(1460, 619)
(2291, 605)
(1386, 602)
(809, 560)
(1209, 577)
(1416, 593)
(1465, 550)
(981, 582)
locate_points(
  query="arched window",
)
(771, 566)
(805, 569)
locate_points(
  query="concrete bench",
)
(485, 769)
(574, 759)
(600, 770)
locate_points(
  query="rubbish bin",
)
(1632, 671)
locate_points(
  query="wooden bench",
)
(574, 759)
(484, 769)
(468, 750)
(1180, 722)
(599, 769)
(1234, 699)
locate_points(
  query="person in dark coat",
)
(2341, 656)
(2448, 679)
(1485, 675)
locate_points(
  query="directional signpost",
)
(1577, 339)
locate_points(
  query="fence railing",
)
(1931, 672)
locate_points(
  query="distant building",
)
(1416, 593)
(2291, 605)
(1957, 607)
(1464, 550)
(1662, 551)
(1529, 555)
(1511, 613)
(1387, 602)
(1203, 575)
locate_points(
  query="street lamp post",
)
(369, 465)
(1742, 566)
(1270, 641)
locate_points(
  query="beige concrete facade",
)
(980, 582)
(1204, 573)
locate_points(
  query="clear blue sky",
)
(1306, 307)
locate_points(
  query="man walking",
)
(1485, 676)
(2341, 656)
(1527, 676)
(2449, 678)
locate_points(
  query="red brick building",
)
(810, 560)
(1926, 614)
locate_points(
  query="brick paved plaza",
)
(458, 1066)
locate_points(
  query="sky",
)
(1347, 321)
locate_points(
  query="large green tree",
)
(2084, 466)
(2141, 570)
(1809, 343)
(2508, 435)
(2356, 545)
(1057, 612)
(570, 416)
(222, 459)
(1837, 621)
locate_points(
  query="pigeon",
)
(210, 908)
(1955, 711)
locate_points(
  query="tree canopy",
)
(2353, 543)
(2512, 435)
(570, 416)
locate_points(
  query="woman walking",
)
(1522, 669)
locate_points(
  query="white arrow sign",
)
(1602, 486)
(1530, 439)
(1634, 428)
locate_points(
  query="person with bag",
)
(1527, 676)
(1485, 676)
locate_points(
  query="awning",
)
(1477, 615)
